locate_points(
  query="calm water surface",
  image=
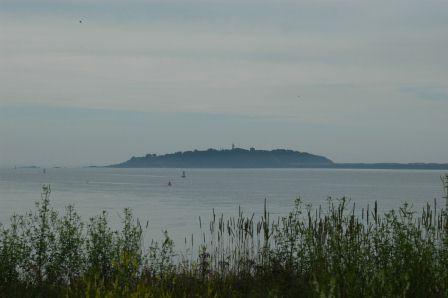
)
(177, 208)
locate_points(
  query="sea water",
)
(177, 208)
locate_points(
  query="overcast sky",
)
(95, 81)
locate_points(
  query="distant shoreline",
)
(391, 166)
(354, 166)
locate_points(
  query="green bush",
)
(313, 252)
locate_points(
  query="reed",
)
(333, 250)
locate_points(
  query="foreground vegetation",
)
(331, 251)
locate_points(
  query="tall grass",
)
(324, 251)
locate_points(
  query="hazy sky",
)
(97, 81)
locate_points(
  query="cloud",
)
(427, 93)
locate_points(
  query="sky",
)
(95, 82)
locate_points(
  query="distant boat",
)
(44, 171)
(169, 183)
(183, 174)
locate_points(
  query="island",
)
(253, 158)
(229, 158)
